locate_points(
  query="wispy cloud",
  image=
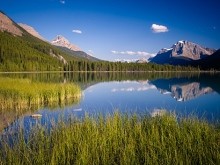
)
(140, 53)
(77, 31)
(62, 1)
(159, 28)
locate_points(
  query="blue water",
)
(183, 96)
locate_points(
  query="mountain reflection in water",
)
(185, 88)
(183, 91)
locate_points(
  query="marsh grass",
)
(22, 96)
(23, 93)
(118, 139)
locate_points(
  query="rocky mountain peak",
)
(6, 24)
(31, 30)
(63, 42)
(182, 50)
(190, 50)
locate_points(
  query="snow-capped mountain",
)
(182, 52)
(31, 30)
(63, 42)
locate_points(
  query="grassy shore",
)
(118, 139)
(21, 96)
(23, 93)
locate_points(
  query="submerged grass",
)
(23, 93)
(118, 139)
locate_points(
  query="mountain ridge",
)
(7, 24)
(31, 30)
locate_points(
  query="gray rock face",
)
(190, 50)
(182, 51)
(63, 42)
(59, 57)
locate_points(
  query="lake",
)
(196, 94)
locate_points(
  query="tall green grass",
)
(19, 93)
(118, 139)
(20, 96)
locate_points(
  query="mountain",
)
(63, 42)
(21, 51)
(8, 25)
(182, 53)
(210, 62)
(31, 30)
(71, 49)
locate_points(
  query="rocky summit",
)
(63, 42)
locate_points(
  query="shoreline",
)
(26, 72)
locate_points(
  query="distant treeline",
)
(121, 66)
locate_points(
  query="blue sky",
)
(121, 29)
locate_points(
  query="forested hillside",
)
(27, 53)
(78, 54)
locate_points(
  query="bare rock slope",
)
(31, 30)
(6, 24)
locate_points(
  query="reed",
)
(118, 139)
(23, 93)
(22, 96)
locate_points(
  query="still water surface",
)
(197, 94)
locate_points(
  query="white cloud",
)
(62, 1)
(159, 28)
(77, 31)
(140, 53)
